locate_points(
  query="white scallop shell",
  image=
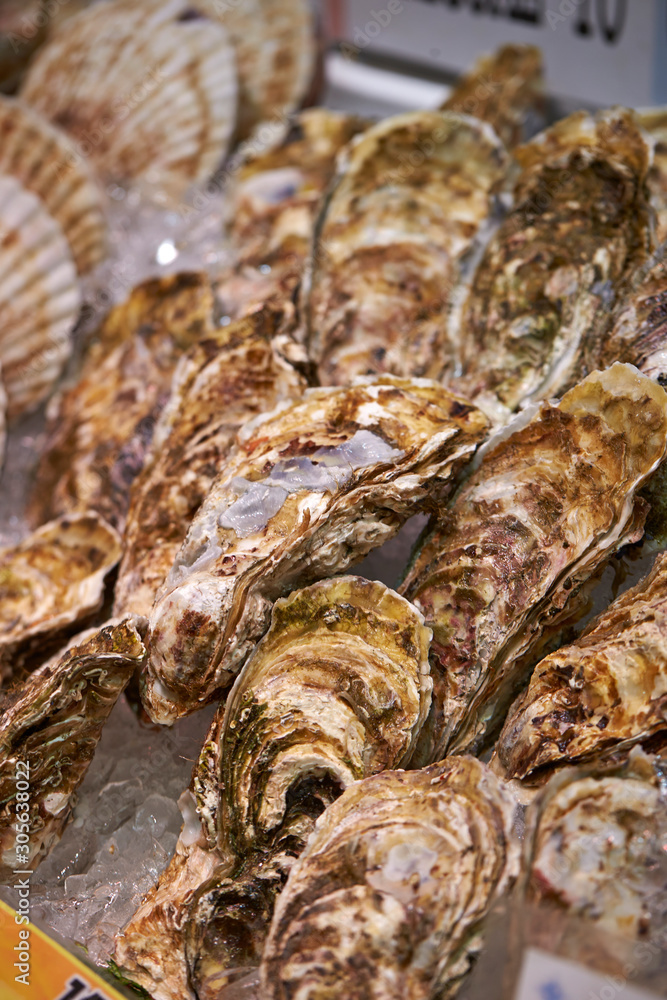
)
(146, 90)
(40, 297)
(44, 160)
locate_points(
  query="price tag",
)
(33, 967)
(549, 977)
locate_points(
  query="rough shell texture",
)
(3, 421)
(604, 693)
(388, 898)
(311, 488)
(654, 120)
(506, 90)
(100, 429)
(44, 160)
(144, 90)
(49, 732)
(51, 581)
(548, 280)
(229, 376)
(40, 298)
(412, 196)
(551, 501)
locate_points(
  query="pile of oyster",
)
(432, 314)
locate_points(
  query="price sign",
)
(549, 977)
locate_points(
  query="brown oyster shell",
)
(654, 120)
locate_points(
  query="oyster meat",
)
(51, 581)
(553, 498)
(311, 488)
(604, 693)
(231, 375)
(100, 429)
(654, 120)
(49, 730)
(389, 897)
(506, 90)
(412, 196)
(545, 287)
(335, 691)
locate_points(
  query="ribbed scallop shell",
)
(146, 90)
(44, 160)
(40, 298)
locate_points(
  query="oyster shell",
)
(547, 281)
(50, 581)
(605, 692)
(553, 498)
(311, 488)
(505, 89)
(145, 90)
(226, 378)
(411, 197)
(43, 159)
(40, 298)
(389, 896)
(48, 735)
(100, 429)
(654, 120)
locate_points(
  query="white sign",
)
(548, 977)
(598, 51)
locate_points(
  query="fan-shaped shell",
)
(145, 90)
(40, 297)
(44, 160)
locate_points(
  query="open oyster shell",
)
(553, 498)
(44, 160)
(144, 90)
(49, 730)
(604, 693)
(545, 287)
(231, 375)
(50, 581)
(506, 90)
(654, 120)
(389, 896)
(411, 197)
(311, 488)
(99, 430)
(40, 298)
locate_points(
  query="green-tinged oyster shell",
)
(311, 488)
(51, 581)
(389, 896)
(550, 502)
(412, 196)
(604, 693)
(49, 730)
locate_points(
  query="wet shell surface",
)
(52, 580)
(49, 730)
(388, 899)
(47, 163)
(654, 120)
(144, 90)
(40, 298)
(311, 488)
(553, 498)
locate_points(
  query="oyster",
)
(604, 693)
(145, 90)
(50, 581)
(48, 733)
(408, 205)
(336, 691)
(44, 160)
(547, 281)
(100, 429)
(389, 896)
(553, 498)
(654, 120)
(312, 487)
(226, 378)
(40, 298)
(505, 89)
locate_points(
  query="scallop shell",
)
(43, 159)
(40, 298)
(145, 90)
